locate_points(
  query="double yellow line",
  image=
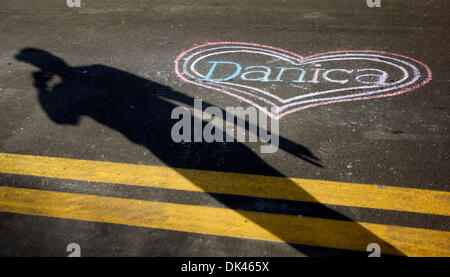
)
(227, 222)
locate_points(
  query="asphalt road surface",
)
(87, 154)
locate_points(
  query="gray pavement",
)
(399, 141)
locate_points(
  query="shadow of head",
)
(41, 59)
(60, 105)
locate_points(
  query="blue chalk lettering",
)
(266, 73)
(210, 73)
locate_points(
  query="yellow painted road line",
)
(327, 192)
(226, 222)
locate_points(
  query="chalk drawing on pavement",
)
(273, 79)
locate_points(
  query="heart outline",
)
(301, 59)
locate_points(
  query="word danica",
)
(273, 79)
(260, 73)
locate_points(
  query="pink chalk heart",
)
(280, 82)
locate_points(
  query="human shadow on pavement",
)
(134, 106)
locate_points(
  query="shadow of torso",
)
(136, 108)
